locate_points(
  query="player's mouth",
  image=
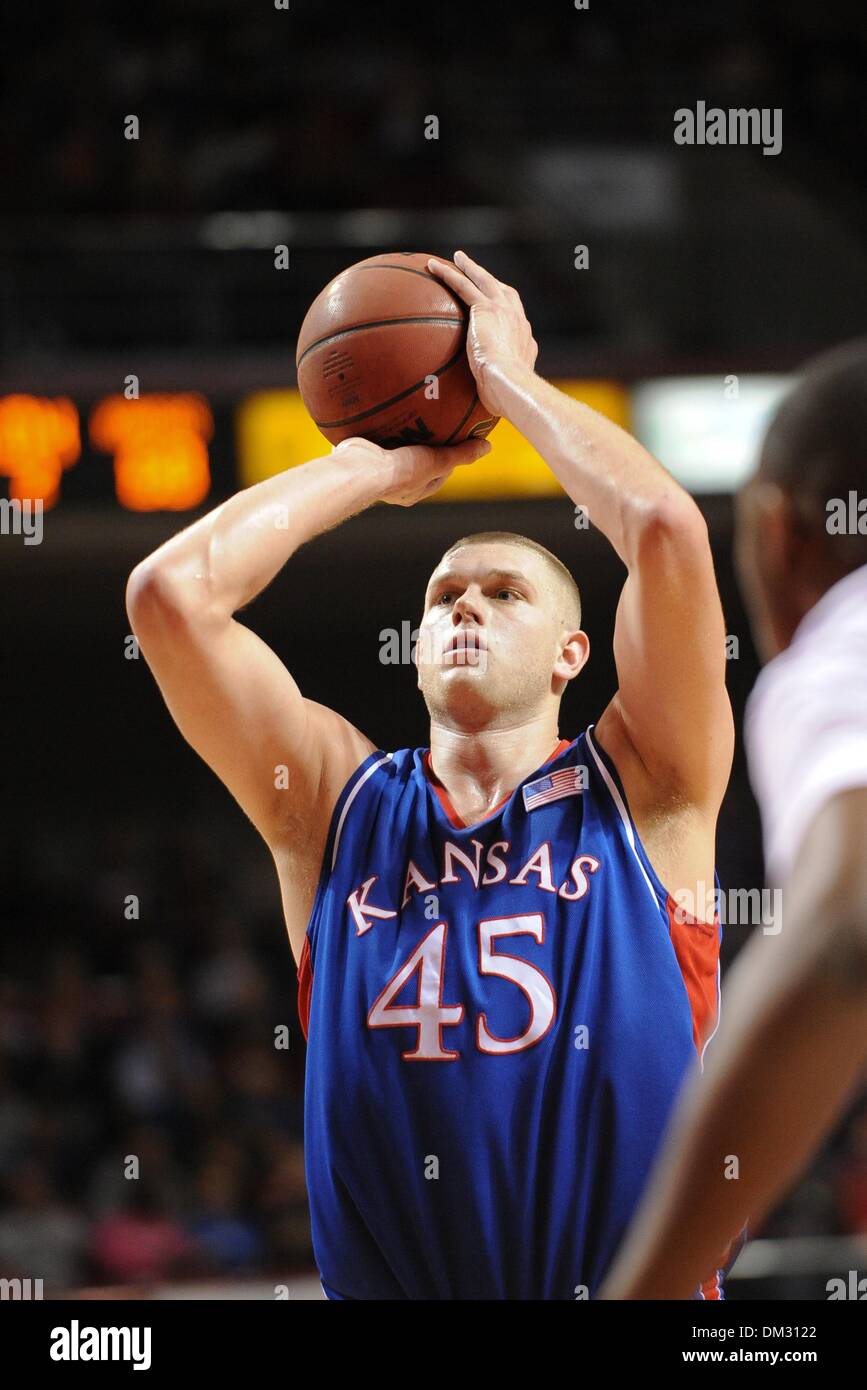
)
(466, 647)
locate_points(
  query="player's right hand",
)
(415, 470)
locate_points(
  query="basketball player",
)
(499, 1002)
(795, 1034)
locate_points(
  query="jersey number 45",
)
(429, 1015)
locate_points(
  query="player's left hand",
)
(500, 342)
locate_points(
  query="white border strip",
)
(624, 815)
(349, 800)
(718, 1014)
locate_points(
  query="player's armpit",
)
(283, 758)
(670, 652)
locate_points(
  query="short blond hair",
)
(566, 584)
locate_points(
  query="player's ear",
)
(574, 654)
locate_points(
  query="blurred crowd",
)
(245, 106)
(151, 159)
(151, 1119)
(151, 1071)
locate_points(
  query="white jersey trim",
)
(349, 800)
(624, 815)
(712, 1035)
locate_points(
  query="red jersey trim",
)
(305, 987)
(696, 945)
(712, 1289)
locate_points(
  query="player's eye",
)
(446, 594)
(511, 593)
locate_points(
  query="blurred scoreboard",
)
(154, 453)
(179, 452)
(275, 432)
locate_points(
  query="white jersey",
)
(806, 721)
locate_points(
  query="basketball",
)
(382, 354)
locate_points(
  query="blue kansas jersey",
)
(499, 1019)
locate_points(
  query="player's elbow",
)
(677, 515)
(671, 526)
(153, 597)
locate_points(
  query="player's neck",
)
(478, 769)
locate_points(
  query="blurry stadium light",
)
(706, 430)
(275, 432)
(791, 1257)
(160, 449)
(370, 227)
(474, 225)
(615, 188)
(445, 228)
(238, 231)
(367, 229)
(513, 468)
(38, 439)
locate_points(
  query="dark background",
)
(155, 1037)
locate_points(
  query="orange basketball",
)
(382, 354)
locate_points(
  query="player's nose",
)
(467, 607)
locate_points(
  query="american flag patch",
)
(569, 781)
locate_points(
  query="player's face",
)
(490, 640)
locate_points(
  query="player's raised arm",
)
(232, 698)
(669, 640)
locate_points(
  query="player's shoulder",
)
(381, 766)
